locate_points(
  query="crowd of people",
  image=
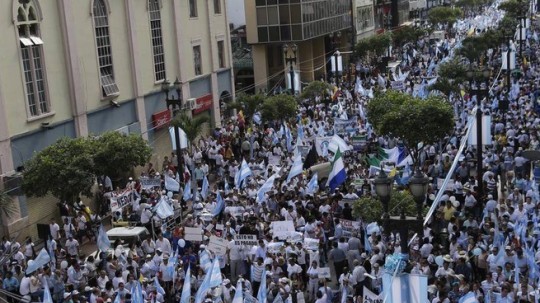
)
(236, 185)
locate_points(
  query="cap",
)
(67, 295)
(226, 281)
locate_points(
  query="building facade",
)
(296, 34)
(79, 68)
(364, 18)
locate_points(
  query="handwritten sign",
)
(282, 229)
(274, 160)
(149, 183)
(370, 297)
(236, 211)
(245, 240)
(323, 272)
(122, 200)
(275, 247)
(217, 245)
(350, 226)
(311, 244)
(193, 234)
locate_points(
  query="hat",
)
(148, 256)
(376, 265)
(462, 254)
(226, 281)
(87, 289)
(75, 292)
(448, 259)
(363, 255)
(67, 295)
(508, 247)
(158, 250)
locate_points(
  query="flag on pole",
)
(215, 275)
(261, 294)
(238, 297)
(164, 209)
(367, 245)
(265, 188)
(187, 191)
(468, 298)
(313, 184)
(158, 287)
(297, 168)
(103, 241)
(396, 289)
(220, 205)
(338, 174)
(204, 261)
(203, 289)
(186, 289)
(171, 184)
(42, 259)
(418, 288)
(243, 173)
(47, 298)
(205, 187)
(136, 293)
(311, 158)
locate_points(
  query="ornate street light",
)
(383, 189)
(418, 186)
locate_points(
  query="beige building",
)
(77, 68)
(364, 19)
(298, 33)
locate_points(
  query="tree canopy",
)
(249, 104)
(375, 45)
(315, 89)
(444, 15)
(192, 126)
(406, 34)
(279, 107)
(412, 119)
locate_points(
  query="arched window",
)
(154, 11)
(31, 44)
(104, 52)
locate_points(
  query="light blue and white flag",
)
(215, 275)
(338, 143)
(300, 131)
(187, 191)
(265, 188)
(220, 205)
(203, 289)
(238, 297)
(103, 241)
(136, 293)
(164, 209)
(227, 188)
(171, 184)
(367, 245)
(468, 298)
(186, 289)
(297, 167)
(243, 173)
(313, 184)
(47, 298)
(338, 175)
(396, 289)
(158, 287)
(288, 138)
(261, 294)
(205, 261)
(418, 289)
(117, 298)
(42, 259)
(205, 187)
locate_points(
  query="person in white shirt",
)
(164, 244)
(54, 229)
(148, 246)
(72, 247)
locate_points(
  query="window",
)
(104, 52)
(221, 53)
(35, 82)
(217, 7)
(197, 60)
(157, 40)
(193, 8)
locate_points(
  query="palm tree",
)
(249, 104)
(8, 208)
(193, 127)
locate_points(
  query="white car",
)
(127, 234)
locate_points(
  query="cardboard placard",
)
(275, 247)
(118, 202)
(193, 234)
(371, 297)
(350, 226)
(311, 244)
(274, 160)
(217, 245)
(324, 272)
(236, 211)
(245, 240)
(282, 229)
(149, 183)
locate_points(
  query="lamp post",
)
(335, 37)
(418, 188)
(508, 39)
(174, 104)
(290, 60)
(388, 21)
(479, 86)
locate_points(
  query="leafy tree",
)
(279, 107)
(472, 48)
(249, 104)
(407, 34)
(193, 127)
(116, 154)
(375, 45)
(413, 120)
(64, 169)
(370, 209)
(445, 86)
(315, 89)
(444, 15)
(514, 8)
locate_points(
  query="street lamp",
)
(335, 41)
(479, 86)
(383, 189)
(508, 40)
(388, 21)
(418, 186)
(290, 60)
(174, 104)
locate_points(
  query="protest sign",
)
(275, 247)
(342, 127)
(217, 245)
(450, 185)
(324, 272)
(321, 144)
(245, 240)
(282, 229)
(350, 226)
(359, 143)
(149, 183)
(193, 234)
(371, 297)
(311, 244)
(219, 227)
(236, 211)
(274, 160)
(397, 85)
(122, 200)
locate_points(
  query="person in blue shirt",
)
(11, 284)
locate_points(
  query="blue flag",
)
(42, 259)
(103, 241)
(261, 295)
(313, 184)
(158, 287)
(187, 191)
(367, 245)
(186, 289)
(47, 298)
(136, 293)
(205, 187)
(220, 205)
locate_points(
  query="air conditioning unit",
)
(191, 103)
(12, 185)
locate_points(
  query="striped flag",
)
(186, 289)
(338, 175)
(468, 298)
(136, 293)
(205, 261)
(103, 241)
(47, 298)
(265, 188)
(171, 184)
(261, 294)
(187, 191)
(297, 168)
(205, 187)
(367, 245)
(418, 288)
(158, 287)
(220, 205)
(396, 289)
(215, 275)
(313, 184)
(238, 297)
(243, 173)
(42, 259)
(203, 289)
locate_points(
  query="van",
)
(129, 234)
